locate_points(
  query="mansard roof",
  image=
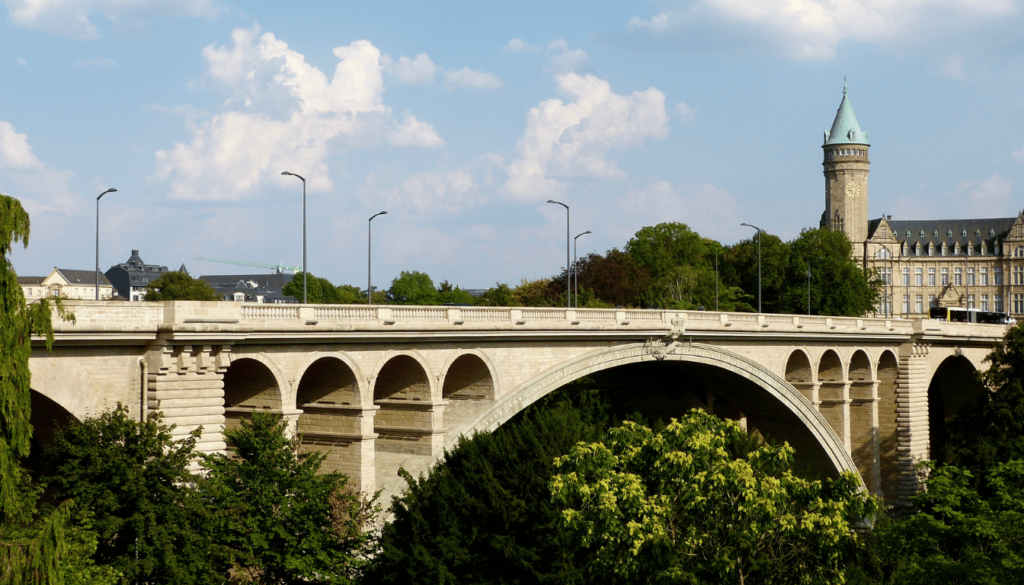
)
(950, 231)
(845, 129)
(83, 276)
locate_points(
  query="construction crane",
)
(277, 268)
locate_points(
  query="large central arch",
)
(776, 386)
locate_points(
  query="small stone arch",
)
(328, 380)
(863, 430)
(250, 384)
(832, 391)
(47, 416)
(387, 358)
(468, 376)
(776, 386)
(409, 419)
(953, 387)
(799, 373)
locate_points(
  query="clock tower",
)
(846, 175)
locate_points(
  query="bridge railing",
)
(106, 316)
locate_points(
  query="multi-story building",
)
(970, 263)
(251, 288)
(132, 277)
(65, 283)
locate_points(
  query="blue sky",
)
(462, 118)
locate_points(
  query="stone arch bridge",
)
(387, 386)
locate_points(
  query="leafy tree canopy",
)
(319, 291)
(739, 267)
(287, 522)
(679, 507)
(413, 288)
(615, 278)
(179, 286)
(659, 249)
(499, 296)
(134, 478)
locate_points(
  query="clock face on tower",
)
(853, 191)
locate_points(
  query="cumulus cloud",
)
(706, 208)
(518, 45)
(573, 138)
(284, 114)
(467, 77)
(426, 191)
(563, 59)
(686, 112)
(40, 188)
(808, 29)
(72, 18)
(96, 62)
(418, 70)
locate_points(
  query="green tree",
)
(615, 278)
(543, 292)
(319, 291)
(287, 522)
(838, 285)
(484, 514)
(413, 288)
(134, 477)
(452, 295)
(499, 296)
(739, 267)
(179, 286)
(685, 506)
(659, 249)
(350, 295)
(32, 548)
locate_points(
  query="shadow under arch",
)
(249, 385)
(887, 374)
(953, 387)
(799, 373)
(468, 376)
(785, 397)
(47, 416)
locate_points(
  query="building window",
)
(918, 278)
(885, 275)
(945, 277)
(1018, 252)
(906, 277)
(984, 302)
(906, 304)
(882, 254)
(1018, 275)
(931, 249)
(944, 248)
(970, 249)
(998, 275)
(970, 301)
(906, 249)
(999, 303)
(984, 277)
(956, 249)
(970, 277)
(931, 277)
(931, 300)
(918, 304)
(1018, 303)
(957, 277)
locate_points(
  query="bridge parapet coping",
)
(211, 316)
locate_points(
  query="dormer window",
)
(956, 249)
(931, 248)
(944, 249)
(963, 234)
(908, 234)
(906, 249)
(922, 233)
(983, 247)
(949, 233)
(991, 232)
(970, 248)
(917, 249)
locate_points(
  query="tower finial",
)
(844, 86)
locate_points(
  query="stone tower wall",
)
(846, 189)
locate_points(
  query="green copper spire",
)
(845, 129)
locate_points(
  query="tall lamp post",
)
(808, 288)
(369, 256)
(758, 264)
(888, 288)
(575, 270)
(110, 190)
(305, 298)
(568, 284)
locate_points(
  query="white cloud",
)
(518, 45)
(71, 18)
(40, 188)
(467, 77)
(812, 29)
(707, 209)
(412, 132)
(562, 59)
(447, 190)
(686, 112)
(1018, 155)
(990, 193)
(284, 114)
(15, 152)
(418, 70)
(97, 62)
(572, 139)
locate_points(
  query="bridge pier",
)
(186, 384)
(912, 416)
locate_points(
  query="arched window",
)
(906, 249)
(882, 254)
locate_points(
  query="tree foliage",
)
(134, 477)
(413, 288)
(839, 286)
(286, 522)
(179, 286)
(319, 291)
(682, 506)
(660, 249)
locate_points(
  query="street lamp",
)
(575, 269)
(110, 190)
(808, 288)
(369, 264)
(758, 264)
(305, 298)
(888, 288)
(568, 284)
